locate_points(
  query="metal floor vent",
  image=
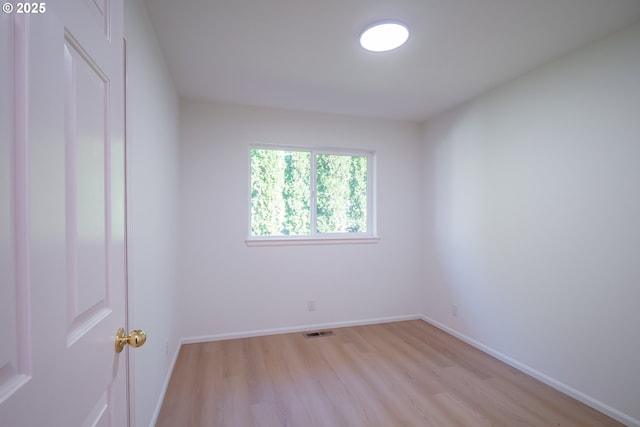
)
(318, 334)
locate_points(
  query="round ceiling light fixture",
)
(384, 36)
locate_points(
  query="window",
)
(310, 194)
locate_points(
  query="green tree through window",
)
(284, 195)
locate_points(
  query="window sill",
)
(305, 241)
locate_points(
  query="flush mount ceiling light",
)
(384, 36)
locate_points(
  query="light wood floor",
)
(394, 374)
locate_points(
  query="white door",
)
(62, 222)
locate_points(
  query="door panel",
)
(99, 10)
(62, 276)
(15, 357)
(87, 141)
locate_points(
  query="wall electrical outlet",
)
(454, 310)
(311, 305)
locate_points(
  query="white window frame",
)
(315, 238)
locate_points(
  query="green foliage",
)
(342, 193)
(358, 195)
(281, 193)
(267, 204)
(296, 193)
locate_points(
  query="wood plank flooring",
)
(394, 374)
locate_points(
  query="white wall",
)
(152, 208)
(533, 222)
(227, 287)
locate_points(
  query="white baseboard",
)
(302, 328)
(262, 332)
(165, 385)
(578, 395)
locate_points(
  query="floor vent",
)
(318, 334)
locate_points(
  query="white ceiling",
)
(304, 54)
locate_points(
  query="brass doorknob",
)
(135, 339)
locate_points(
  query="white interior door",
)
(62, 222)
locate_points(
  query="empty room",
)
(243, 212)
